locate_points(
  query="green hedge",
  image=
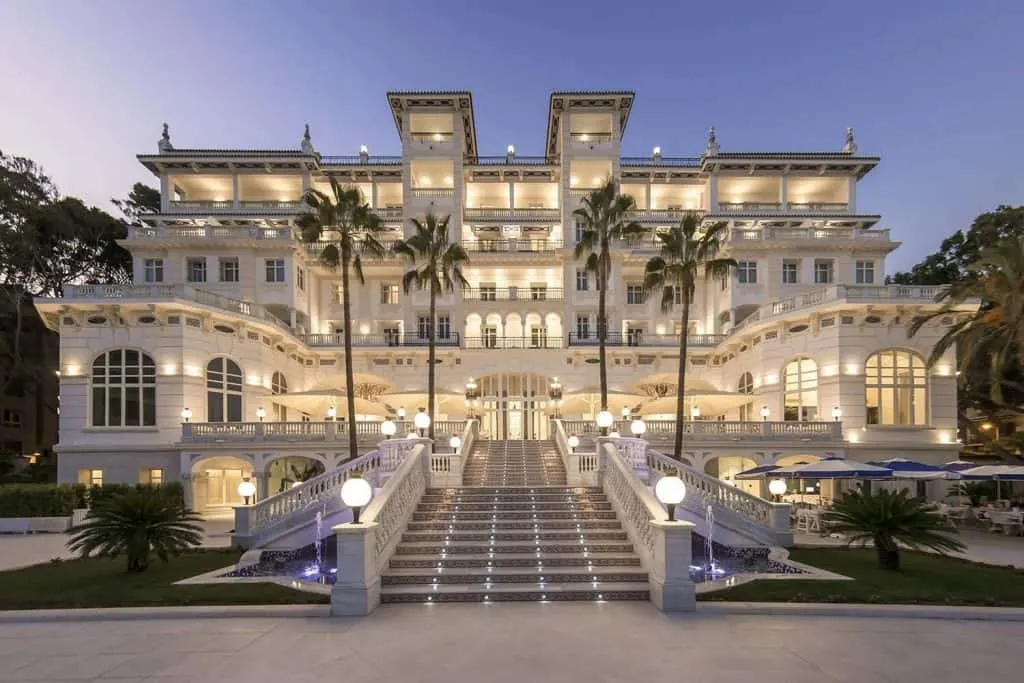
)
(59, 500)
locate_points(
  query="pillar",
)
(356, 590)
(851, 201)
(373, 194)
(235, 190)
(672, 590)
(166, 191)
(712, 194)
(784, 193)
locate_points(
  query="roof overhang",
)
(458, 101)
(619, 101)
(196, 160)
(820, 163)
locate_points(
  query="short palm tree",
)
(440, 270)
(604, 218)
(138, 524)
(996, 330)
(890, 520)
(687, 253)
(357, 228)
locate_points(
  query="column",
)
(235, 191)
(166, 189)
(511, 196)
(261, 479)
(373, 194)
(784, 193)
(851, 204)
(712, 194)
(672, 590)
(356, 591)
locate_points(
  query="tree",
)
(141, 201)
(603, 218)
(355, 226)
(686, 254)
(440, 270)
(138, 524)
(890, 520)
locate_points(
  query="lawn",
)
(105, 583)
(923, 579)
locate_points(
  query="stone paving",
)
(595, 643)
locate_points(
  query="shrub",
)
(40, 500)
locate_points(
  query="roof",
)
(459, 101)
(562, 100)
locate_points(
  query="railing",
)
(242, 204)
(720, 430)
(485, 246)
(446, 466)
(581, 466)
(635, 506)
(359, 160)
(438, 193)
(393, 507)
(501, 343)
(390, 213)
(643, 339)
(512, 215)
(661, 216)
(385, 339)
(748, 206)
(508, 160)
(184, 204)
(209, 232)
(431, 137)
(513, 294)
(590, 137)
(200, 432)
(289, 204)
(819, 207)
(765, 234)
(317, 248)
(660, 161)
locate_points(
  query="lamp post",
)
(694, 412)
(247, 489)
(837, 413)
(638, 427)
(670, 490)
(455, 442)
(574, 443)
(261, 413)
(356, 493)
(332, 413)
(388, 428)
(765, 413)
(421, 421)
(186, 414)
(604, 421)
(777, 487)
(401, 413)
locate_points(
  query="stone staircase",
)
(514, 532)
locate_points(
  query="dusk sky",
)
(934, 87)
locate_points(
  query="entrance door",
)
(515, 420)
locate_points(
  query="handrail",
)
(502, 343)
(514, 293)
(635, 506)
(393, 507)
(385, 339)
(512, 246)
(581, 467)
(644, 339)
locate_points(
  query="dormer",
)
(435, 123)
(587, 122)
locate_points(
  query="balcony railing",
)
(661, 216)
(360, 160)
(386, 339)
(586, 138)
(644, 339)
(433, 193)
(390, 213)
(715, 430)
(689, 162)
(431, 137)
(208, 232)
(317, 248)
(215, 432)
(501, 342)
(513, 215)
(513, 294)
(743, 207)
(819, 207)
(484, 246)
(229, 205)
(509, 161)
(774, 234)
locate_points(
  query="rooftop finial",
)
(851, 145)
(712, 147)
(307, 142)
(165, 140)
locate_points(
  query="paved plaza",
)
(511, 642)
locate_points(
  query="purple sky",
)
(937, 93)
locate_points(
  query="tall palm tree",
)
(355, 228)
(604, 217)
(687, 252)
(996, 330)
(439, 271)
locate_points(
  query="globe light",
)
(694, 412)
(625, 413)
(837, 413)
(247, 490)
(401, 413)
(186, 414)
(604, 421)
(455, 442)
(638, 427)
(261, 413)
(412, 435)
(574, 443)
(777, 487)
(332, 413)
(670, 490)
(614, 434)
(388, 429)
(421, 421)
(355, 493)
(296, 484)
(765, 413)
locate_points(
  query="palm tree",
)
(137, 523)
(440, 270)
(686, 254)
(345, 214)
(890, 520)
(996, 330)
(604, 219)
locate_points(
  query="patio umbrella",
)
(839, 468)
(448, 401)
(997, 473)
(316, 403)
(910, 469)
(958, 465)
(710, 402)
(587, 401)
(758, 472)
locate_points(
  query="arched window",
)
(223, 391)
(896, 383)
(278, 386)
(800, 390)
(746, 386)
(123, 389)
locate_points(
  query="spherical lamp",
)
(401, 413)
(625, 413)
(247, 490)
(388, 429)
(638, 427)
(670, 490)
(765, 413)
(777, 487)
(421, 421)
(261, 413)
(604, 421)
(614, 434)
(186, 414)
(356, 493)
(332, 413)
(837, 413)
(574, 443)
(455, 442)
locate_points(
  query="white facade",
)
(220, 273)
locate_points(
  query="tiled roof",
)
(589, 93)
(403, 93)
(232, 152)
(792, 155)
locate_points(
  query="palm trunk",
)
(350, 390)
(602, 326)
(888, 554)
(681, 377)
(431, 354)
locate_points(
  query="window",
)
(747, 272)
(580, 229)
(538, 337)
(444, 327)
(790, 272)
(634, 336)
(229, 270)
(582, 280)
(90, 477)
(123, 389)
(11, 418)
(223, 391)
(153, 270)
(865, 273)
(538, 292)
(275, 270)
(423, 327)
(389, 294)
(823, 271)
(300, 279)
(339, 293)
(489, 292)
(800, 390)
(634, 293)
(195, 269)
(490, 336)
(583, 327)
(897, 388)
(392, 336)
(154, 476)
(279, 386)
(746, 386)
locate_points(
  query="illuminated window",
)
(896, 384)
(223, 391)
(800, 390)
(278, 386)
(154, 476)
(123, 389)
(90, 477)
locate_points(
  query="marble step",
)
(500, 514)
(511, 592)
(520, 525)
(520, 489)
(456, 547)
(460, 536)
(513, 507)
(520, 575)
(530, 560)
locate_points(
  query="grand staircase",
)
(514, 532)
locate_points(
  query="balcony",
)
(808, 234)
(749, 207)
(514, 294)
(209, 232)
(590, 138)
(385, 340)
(360, 160)
(646, 340)
(314, 249)
(228, 206)
(677, 162)
(819, 207)
(546, 215)
(433, 193)
(431, 137)
(509, 161)
(714, 430)
(506, 343)
(242, 432)
(660, 216)
(521, 246)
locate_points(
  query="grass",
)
(924, 579)
(100, 582)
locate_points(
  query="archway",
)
(514, 406)
(285, 471)
(215, 483)
(726, 467)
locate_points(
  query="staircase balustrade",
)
(581, 467)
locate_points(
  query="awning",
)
(758, 472)
(910, 469)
